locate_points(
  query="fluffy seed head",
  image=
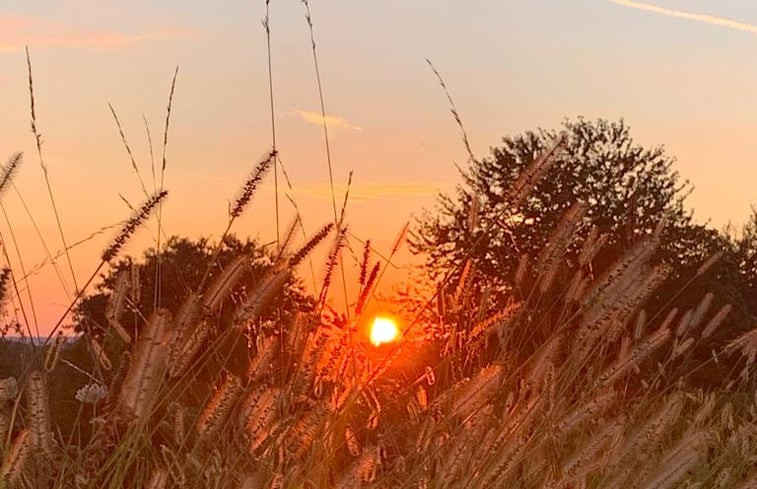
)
(252, 182)
(134, 222)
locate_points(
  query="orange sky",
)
(681, 73)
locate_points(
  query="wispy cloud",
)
(694, 16)
(366, 192)
(332, 121)
(359, 192)
(16, 32)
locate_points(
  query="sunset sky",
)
(681, 72)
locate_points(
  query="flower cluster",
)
(92, 393)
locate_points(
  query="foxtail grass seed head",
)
(306, 430)
(5, 425)
(53, 352)
(626, 268)
(709, 263)
(590, 456)
(463, 283)
(522, 270)
(135, 284)
(15, 461)
(134, 222)
(591, 246)
(218, 409)
(187, 322)
(589, 410)
(701, 310)
(220, 289)
(146, 368)
(249, 310)
(257, 414)
(716, 321)
(368, 286)
(5, 276)
(37, 404)
(300, 254)
(670, 474)
(684, 346)
(668, 321)
(99, 354)
(529, 177)
(401, 237)
(9, 170)
(747, 345)
(331, 262)
(115, 306)
(259, 365)
(641, 324)
(684, 323)
(180, 358)
(644, 349)
(553, 252)
(364, 263)
(252, 182)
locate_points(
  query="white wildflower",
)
(92, 393)
(8, 389)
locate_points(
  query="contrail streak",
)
(705, 18)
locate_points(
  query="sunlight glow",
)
(383, 330)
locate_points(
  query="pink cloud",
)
(17, 32)
(333, 121)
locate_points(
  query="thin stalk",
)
(157, 296)
(26, 279)
(38, 141)
(44, 243)
(309, 19)
(267, 27)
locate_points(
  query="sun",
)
(383, 330)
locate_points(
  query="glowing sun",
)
(383, 330)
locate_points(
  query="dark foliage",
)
(182, 266)
(628, 189)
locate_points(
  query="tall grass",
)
(567, 386)
(568, 383)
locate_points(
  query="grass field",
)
(566, 386)
(567, 382)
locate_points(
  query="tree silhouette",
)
(182, 265)
(627, 190)
(746, 245)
